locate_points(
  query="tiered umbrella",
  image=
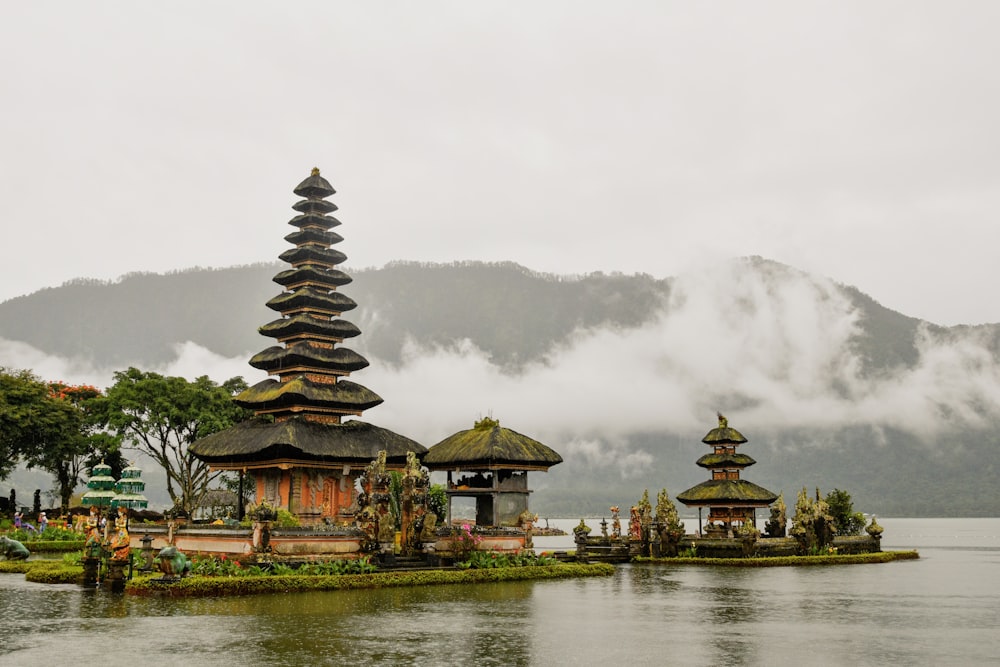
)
(129, 489)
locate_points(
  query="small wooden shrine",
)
(490, 464)
(303, 456)
(729, 499)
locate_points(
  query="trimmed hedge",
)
(54, 546)
(218, 586)
(54, 572)
(784, 561)
(44, 571)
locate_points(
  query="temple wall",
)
(238, 542)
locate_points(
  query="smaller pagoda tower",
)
(730, 500)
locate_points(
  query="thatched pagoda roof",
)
(300, 440)
(725, 461)
(310, 297)
(276, 358)
(301, 323)
(736, 492)
(301, 391)
(723, 434)
(489, 446)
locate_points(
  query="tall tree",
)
(25, 422)
(162, 416)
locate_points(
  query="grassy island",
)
(60, 572)
(197, 586)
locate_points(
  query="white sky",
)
(855, 140)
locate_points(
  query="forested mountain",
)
(763, 328)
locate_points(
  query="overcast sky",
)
(855, 140)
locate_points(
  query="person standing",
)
(17, 520)
(43, 522)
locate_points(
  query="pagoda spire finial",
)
(315, 171)
(723, 422)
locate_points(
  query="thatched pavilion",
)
(490, 464)
(729, 499)
(303, 456)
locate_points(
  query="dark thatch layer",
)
(306, 324)
(354, 442)
(313, 235)
(724, 435)
(490, 445)
(727, 491)
(316, 274)
(335, 359)
(309, 297)
(314, 187)
(300, 391)
(313, 206)
(308, 253)
(725, 460)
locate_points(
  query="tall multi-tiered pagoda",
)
(730, 500)
(303, 455)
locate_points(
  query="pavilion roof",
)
(732, 492)
(298, 439)
(488, 445)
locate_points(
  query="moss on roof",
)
(723, 460)
(270, 394)
(338, 359)
(727, 491)
(306, 324)
(310, 297)
(296, 438)
(488, 444)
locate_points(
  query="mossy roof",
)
(488, 445)
(310, 297)
(270, 394)
(336, 359)
(313, 235)
(727, 492)
(724, 435)
(301, 323)
(724, 460)
(312, 253)
(256, 441)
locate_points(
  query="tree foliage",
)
(51, 426)
(162, 416)
(845, 519)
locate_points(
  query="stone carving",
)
(172, 562)
(120, 542)
(12, 549)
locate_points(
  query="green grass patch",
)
(196, 586)
(789, 561)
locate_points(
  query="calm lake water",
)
(943, 609)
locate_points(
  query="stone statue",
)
(12, 549)
(634, 524)
(120, 542)
(427, 534)
(526, 522)
(172, 562)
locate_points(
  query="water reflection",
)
(941, 609)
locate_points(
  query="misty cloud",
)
(770, 347)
